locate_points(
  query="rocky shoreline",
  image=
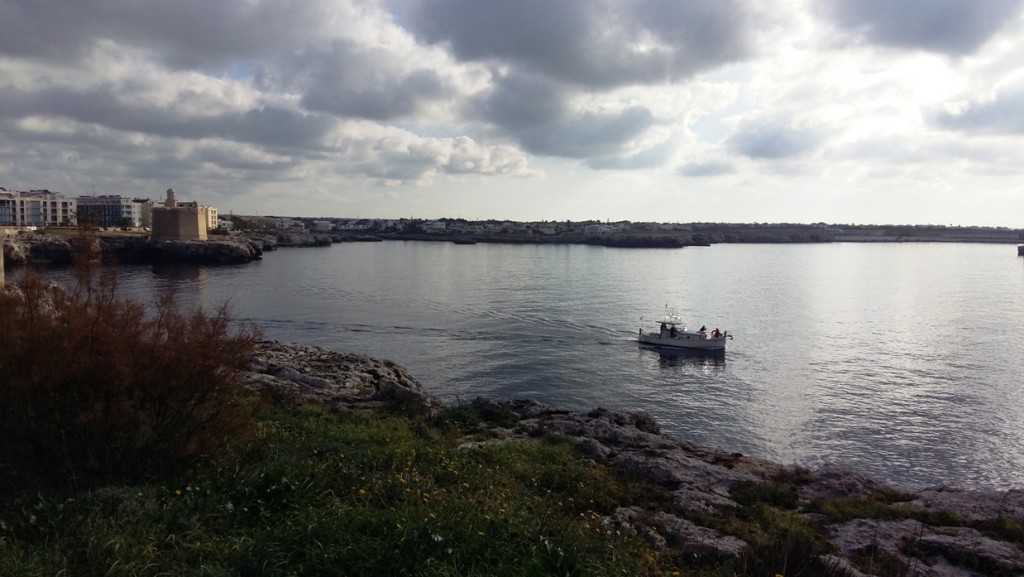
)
(699, 478)
(60, 250)
(226, 249)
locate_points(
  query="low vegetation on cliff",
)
(316, 492)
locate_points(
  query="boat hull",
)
(684, 340)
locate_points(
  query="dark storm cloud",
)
(519, 102)
(588, 134)
(772, 140)
(535, 112)
(955, 27)
(183, 33)
(270, 126)
(1003, 115)
(597, 44)
(351, 81)
(545, 54)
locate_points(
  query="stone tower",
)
(171, 202)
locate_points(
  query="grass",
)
(386, 492)
(359, 493)
(314, 492)
(394, 492)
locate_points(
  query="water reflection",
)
(190, 281)
(669, 357)
(180, 272)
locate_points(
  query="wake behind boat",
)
(671, 332)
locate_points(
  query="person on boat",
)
(703, 328)
(672, 333)
(716, 333)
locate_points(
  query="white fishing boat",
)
(672, 332)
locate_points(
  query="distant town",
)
(171, 218)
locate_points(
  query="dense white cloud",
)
(644, 109)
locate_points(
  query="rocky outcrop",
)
(14, 252)
(266, 242)
(945, 551)
(700, 477)
(295, 373)
(701, 480)
(55, 249)
(38, 248)
(303, 239)
(227, 250)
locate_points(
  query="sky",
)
(837, 111)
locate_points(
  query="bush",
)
(97, 388)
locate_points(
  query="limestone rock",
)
(972, 506)
(266, 242)
(225, 250)
(38, 248)
(61, 249)
(299, 373)
(887, 542)
(303, 239)
(700, 478)
(831, 482)
(15, 253)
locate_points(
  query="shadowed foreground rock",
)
(298, 373)
(699, 478)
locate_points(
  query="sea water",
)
(903, 361)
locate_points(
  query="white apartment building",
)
(36, 208)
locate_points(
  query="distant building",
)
(145, 211)
(180, 220)
(358, 225)
(212, 220)
(109, 210)
(36, 208)
(286, 224)
(434, 227)
(8, 207)
(598, 229)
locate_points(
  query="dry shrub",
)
(94, 387)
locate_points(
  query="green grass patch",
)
(358, 493)
(316, 492)
(1004, 528)
(884, 504)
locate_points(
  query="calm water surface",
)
(905, 361)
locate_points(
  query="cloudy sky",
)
(842, 111)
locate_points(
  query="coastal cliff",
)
(60, 250)
(936, 531)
